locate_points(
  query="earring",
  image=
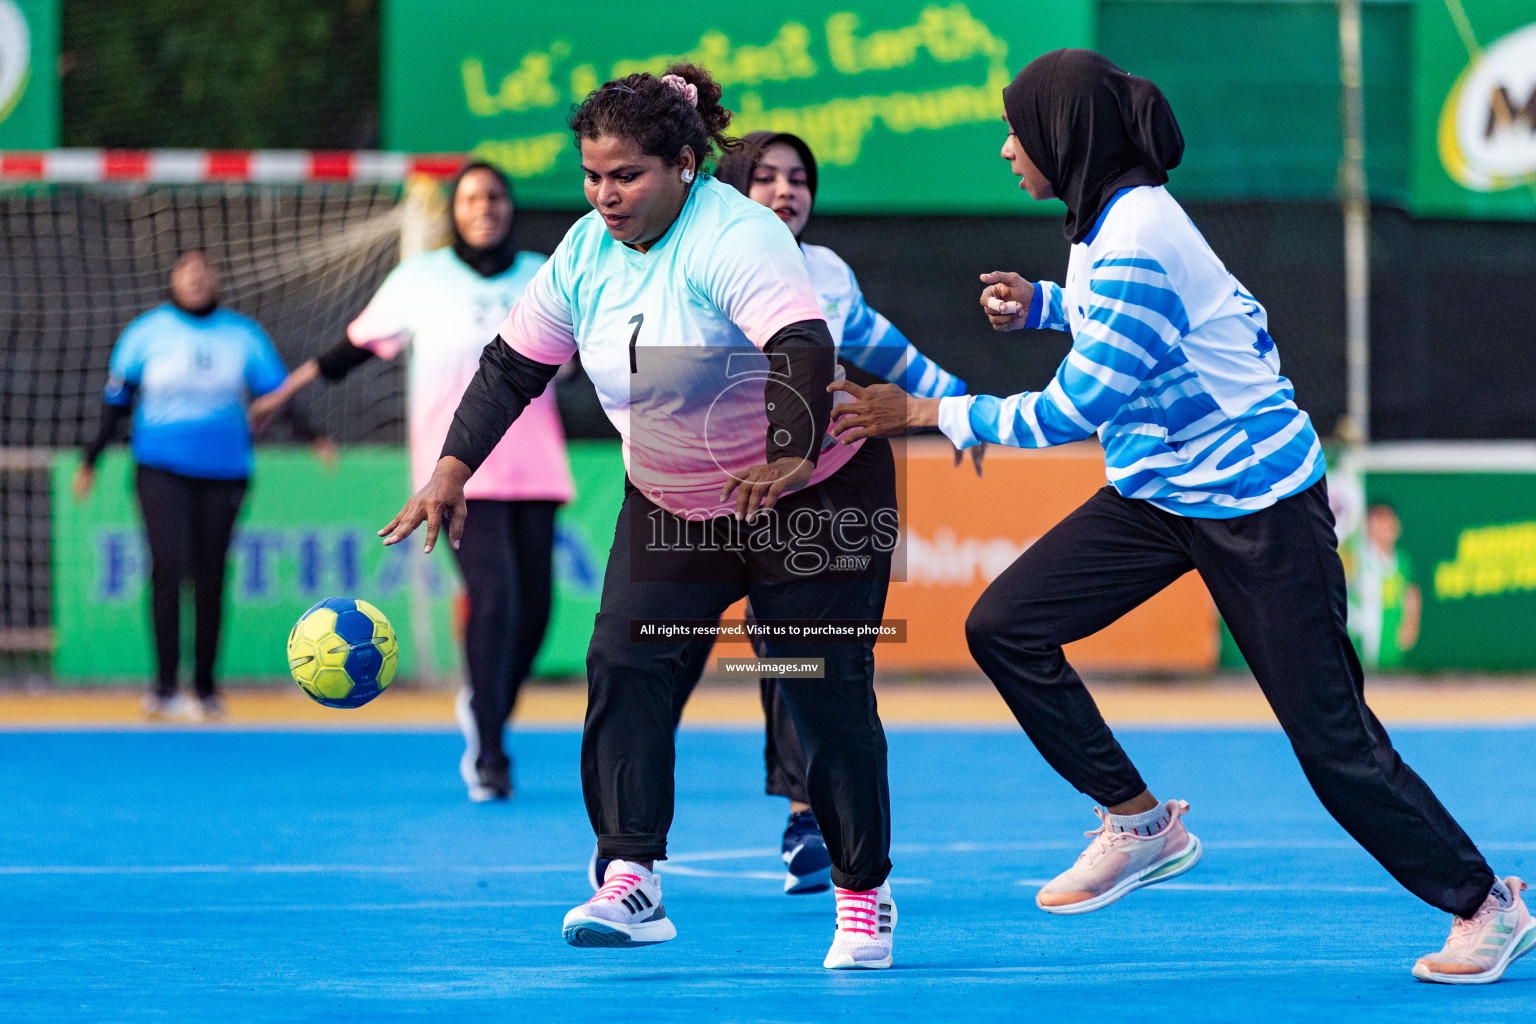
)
(687, 175)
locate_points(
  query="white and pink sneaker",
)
(626, 911)
(1482, 946)
(1117, 862)
(866, 921)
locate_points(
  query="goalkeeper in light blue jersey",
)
(186, 371)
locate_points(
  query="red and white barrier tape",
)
(188, 166)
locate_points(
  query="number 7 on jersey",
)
(639, 321)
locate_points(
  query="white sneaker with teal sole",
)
(626, 911)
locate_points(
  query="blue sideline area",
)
(241, 876)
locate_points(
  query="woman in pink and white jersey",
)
(442, 305)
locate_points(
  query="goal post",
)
(87, 238)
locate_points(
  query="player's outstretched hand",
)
(441, 500)
(85, 479)
(978, 452)
(261, 410)
(264, 407)
(880, 410)
(324, 449)
(1006, 299)
(760, 486)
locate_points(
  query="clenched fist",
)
(1006, 299)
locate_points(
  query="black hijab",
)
(736, 166)
(497, 258)
(1092, 130)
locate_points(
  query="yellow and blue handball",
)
(343, 652)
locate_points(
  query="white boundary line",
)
(285, 869)
(314, 908)
(680, 864)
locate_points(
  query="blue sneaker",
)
(597, 870)
(807, 864)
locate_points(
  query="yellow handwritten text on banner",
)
(836, 127)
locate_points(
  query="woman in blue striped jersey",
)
(1211, 467)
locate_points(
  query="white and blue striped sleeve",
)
(1134, 319)
(872, 343)
(1046, 310)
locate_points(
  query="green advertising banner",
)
(900, 101)
(29, 84)
(1475, 109)
(306, 533)
(1446, 571)
(1439, 551)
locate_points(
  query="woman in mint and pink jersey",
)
(442, 305)
(697, 323)
(778, 170)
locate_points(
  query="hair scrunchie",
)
(689, 91)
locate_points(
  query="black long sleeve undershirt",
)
(341, 358)
(795, 428)
(112, 414)
(501, 389)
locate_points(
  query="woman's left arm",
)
(1133, 320)
(124, 372)
(265, 375)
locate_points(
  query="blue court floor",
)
(242, 876)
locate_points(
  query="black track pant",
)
(506, 557)
(189, 522)
(1277, 581)
(783, 758)
(627, 754)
